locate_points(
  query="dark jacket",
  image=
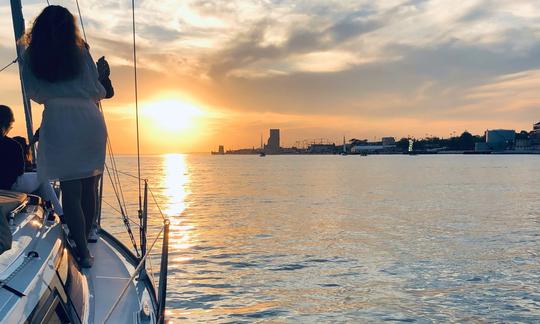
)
(11, 162)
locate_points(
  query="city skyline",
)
(222, 72)
(528, 140)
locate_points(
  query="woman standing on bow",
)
(59, 72)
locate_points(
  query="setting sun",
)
(172, 115)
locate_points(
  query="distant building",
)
(367, 148)
(500, 139)
(534, 136)
(273, 145)
(536, 131)
(388, 141)
(523, 145)
(481, 147)
(221, 151)
(322, 148)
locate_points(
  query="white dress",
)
(73, 135)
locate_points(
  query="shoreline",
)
(405, 153)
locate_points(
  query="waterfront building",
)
(536, 131)
(322, 149)
(534, 136)
(221, 150)
(273, 145)
(481, 147)
(367, 149)
(388, 141)
(523, 145)
(500, 139)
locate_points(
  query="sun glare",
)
(172, 115)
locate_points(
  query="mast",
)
(18, 29)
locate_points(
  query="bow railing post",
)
(162, 295)
(143, 218)
(99, 201)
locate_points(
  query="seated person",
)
(12, 165)
(28, 165)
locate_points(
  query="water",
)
(348, 238)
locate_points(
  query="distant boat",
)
(262, 154)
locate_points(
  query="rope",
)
(136, 101)
(10, 64)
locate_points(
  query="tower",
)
(273, 142)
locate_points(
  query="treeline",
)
(465, 142)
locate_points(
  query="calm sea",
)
(347, 239)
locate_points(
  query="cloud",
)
(410, 61)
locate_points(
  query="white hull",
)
(40, 278)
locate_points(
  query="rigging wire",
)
(80, 18)
(157, 205)
(9, 64)
(119, 212)
(136, 101)
(124, 173)
(115, 179)
(124, 217)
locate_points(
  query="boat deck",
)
(106, 281)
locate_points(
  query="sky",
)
(225, 71)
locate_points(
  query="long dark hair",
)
(55, 45)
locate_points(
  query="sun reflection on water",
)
(175, 184)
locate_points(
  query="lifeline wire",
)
(10, 64)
